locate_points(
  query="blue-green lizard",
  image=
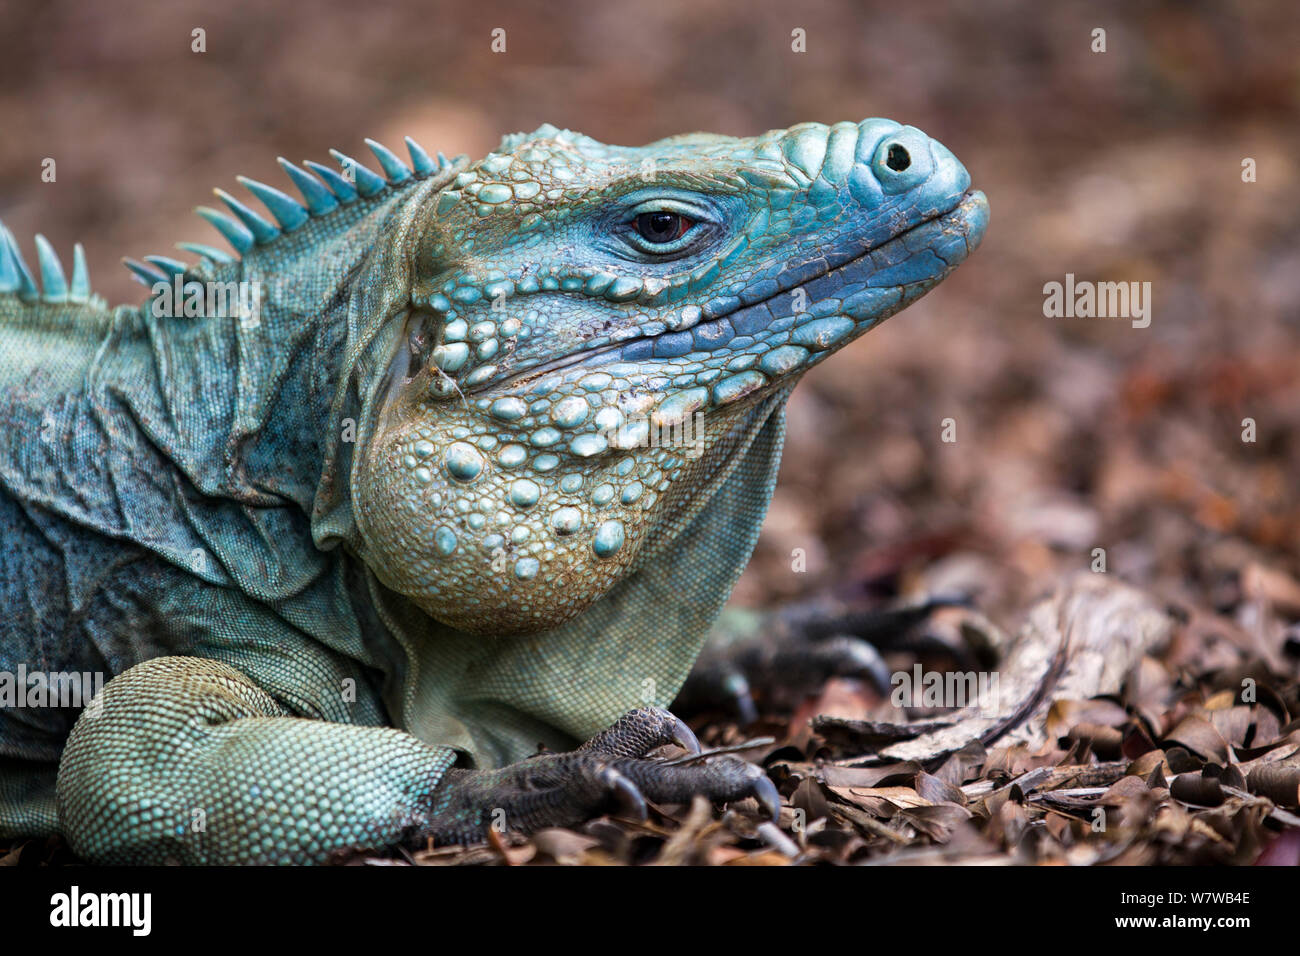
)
(445, 464)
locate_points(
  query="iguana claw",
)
(625, 792)
(768, 797)
(684, 737)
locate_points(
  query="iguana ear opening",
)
(411, 376)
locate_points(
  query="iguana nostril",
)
(897, 159)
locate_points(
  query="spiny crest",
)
(16, 278)
(321, 195)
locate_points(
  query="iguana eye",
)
(662, 227)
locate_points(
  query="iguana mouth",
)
(965, 217)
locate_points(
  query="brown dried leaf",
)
(1279, 782)
(563, 846)
(1200, 737)
(1077, 645)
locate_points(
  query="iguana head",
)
(594, 328)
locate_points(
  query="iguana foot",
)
(610, 772)
(790, 653)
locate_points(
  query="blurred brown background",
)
(1072, 433)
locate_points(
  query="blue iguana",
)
(446, 464)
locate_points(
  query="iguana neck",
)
(262, 409)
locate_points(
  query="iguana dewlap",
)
(446, 463)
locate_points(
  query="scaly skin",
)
(478, 473)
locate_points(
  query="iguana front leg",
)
(187, 760)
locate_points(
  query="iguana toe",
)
(607, 774)
(723, 780)
(640, 731)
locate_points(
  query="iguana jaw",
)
(883, 279)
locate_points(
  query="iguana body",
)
(416, 507)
